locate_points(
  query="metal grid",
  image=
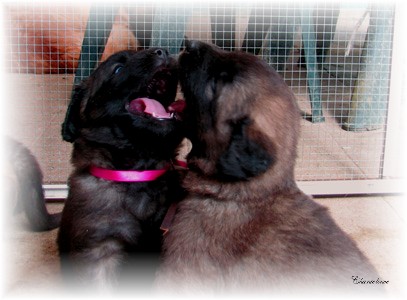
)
(331, 54)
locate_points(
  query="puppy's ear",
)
(72, 123)
(244, 158)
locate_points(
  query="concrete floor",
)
(377, 224)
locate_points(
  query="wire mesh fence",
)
(336, 57)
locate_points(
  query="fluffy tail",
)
(28, 184)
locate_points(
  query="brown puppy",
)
(245, 226)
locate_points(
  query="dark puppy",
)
(23, 186)
(122, 183)
(245, 226)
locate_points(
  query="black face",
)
(128, 98)
(218, 117)
(202, 70)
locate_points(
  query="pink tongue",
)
(149, 106)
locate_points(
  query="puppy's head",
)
(241, 117)
(130, 95)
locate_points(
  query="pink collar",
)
(132, 176)
(127, 176)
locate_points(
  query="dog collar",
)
(127, 176)
(132, 176)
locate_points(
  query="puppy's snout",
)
(161, 53)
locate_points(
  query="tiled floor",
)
(376, 223)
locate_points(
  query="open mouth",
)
(162, 85)
(155, 109)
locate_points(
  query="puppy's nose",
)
(162, 53)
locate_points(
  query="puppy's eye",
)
(117, 70)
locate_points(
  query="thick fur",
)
(108, 227)
(23, 185)
(245, 226)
